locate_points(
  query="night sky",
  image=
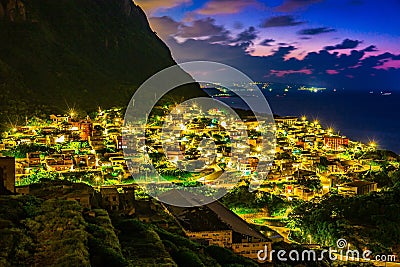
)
(351, 44)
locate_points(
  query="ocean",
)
(361, 116)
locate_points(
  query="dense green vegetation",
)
(21, 151)
(241, 199)
(55, 232)
(372, 220)
(42, 233)
(104, 245)
(141, 244)
(154, 246)
(386, 178)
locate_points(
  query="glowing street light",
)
(309, 236)
(97, 179)
(72, 113)
(373, 145)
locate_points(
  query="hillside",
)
(56, 232)
(82, 53)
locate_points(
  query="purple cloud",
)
(316, 31)
(201, 28)
(346, 44)
(167, 27)
(280, 21)
(267, 42)
(214, 7)
(292, 5)
(164, 26)
(246, 38)
(371, 48)
(324, 68)
(152, 5)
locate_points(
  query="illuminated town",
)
(90, 150)
(311, 163)
(199, 133)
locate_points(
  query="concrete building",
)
(7, 175)
(245, 240)
(86, 129)
(59, 118)
(110, 198)
(214, 224)
(96, 142)
(336, 143)
(59, 162)
(80, 192)
(222, 238)
(288, 120)
(34, 159)
(357, 188)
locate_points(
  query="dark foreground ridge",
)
(60, 223)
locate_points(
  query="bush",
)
(226, 257)
(186, 257)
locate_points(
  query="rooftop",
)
(358, 184)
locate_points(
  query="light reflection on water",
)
(358, 115)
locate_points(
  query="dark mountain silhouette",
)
(83, 53)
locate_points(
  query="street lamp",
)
(373, 144)
(97, 180)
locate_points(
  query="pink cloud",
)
(199, 28)
(332, 72)
(152, 5)
(292, 5)
(389, 64)
(214, 7)
(164, 26)
(281, 73)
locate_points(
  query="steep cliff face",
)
(81, 52)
